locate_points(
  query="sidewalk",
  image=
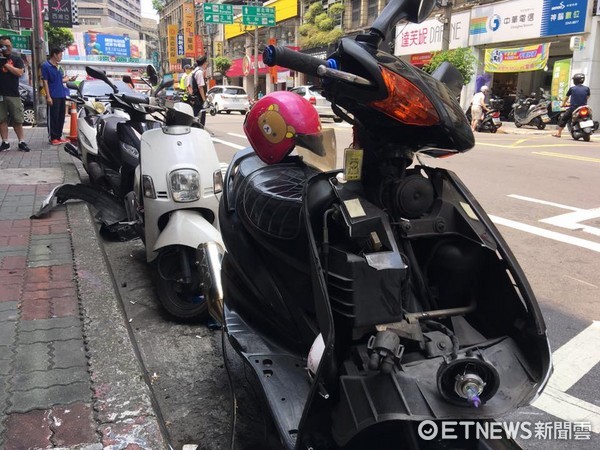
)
(69, 372)
(510, 128)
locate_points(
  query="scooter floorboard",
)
(282, 375)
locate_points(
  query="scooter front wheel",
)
(178, 284)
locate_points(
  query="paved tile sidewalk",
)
(69, 376)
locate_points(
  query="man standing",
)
(183, 79)
(53, 78)
(197, 87)
(11, 69)
(577, 96)
(478, 106)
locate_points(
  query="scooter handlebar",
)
(276, 55)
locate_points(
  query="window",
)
(372, 6)
(356, 13)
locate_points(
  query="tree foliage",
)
(222, 64)
(462, 58)
(158, 5)
(58, 37)
(319, 27)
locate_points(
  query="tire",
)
(213, 111)
(541, 125)
(183, 301)
(28, 116)
(518, 124)
(587, 137)
(493, 129)
(228, 112)
(337, 119)
(216, 108)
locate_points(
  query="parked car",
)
(321, 104)
(98, 88)
(26, 93)
(228, 98)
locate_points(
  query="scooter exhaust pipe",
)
(209, 256)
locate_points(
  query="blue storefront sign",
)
(106, 44)
(563, 17)
(180, 45)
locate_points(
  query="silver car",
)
(321, 104)
(228, 98)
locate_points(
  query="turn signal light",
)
(405, 102)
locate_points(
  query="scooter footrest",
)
(282, 375)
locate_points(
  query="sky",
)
(147, 10)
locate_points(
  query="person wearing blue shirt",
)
(53, 77)
(577, 96)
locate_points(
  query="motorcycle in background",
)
(531, 111)
(387, 281)
(581, 125)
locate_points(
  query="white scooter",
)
(174, 207)
(90, 111)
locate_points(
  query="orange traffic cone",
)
(73, 130)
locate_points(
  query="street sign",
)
(217, 13)
(258, 16)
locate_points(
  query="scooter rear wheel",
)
(183, 300)
(518, 124)
(587, 137)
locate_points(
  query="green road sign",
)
(258, 16)
(217, 13)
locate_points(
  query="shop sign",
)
(427, 36)
(421, 59)
(560, 83)
(518, 59)
(172, 43)
(106, 44)
(189, 29)
(524, 19)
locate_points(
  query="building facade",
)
(126, 14)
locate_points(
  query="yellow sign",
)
(188, 30)
(172, 43)
(218, 48)
(353, 159)
(517, 59)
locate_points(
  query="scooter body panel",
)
(167, 222)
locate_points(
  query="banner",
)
(60, 13)
(106, 44)
(560, 83)
(199, 46)
(517, 59)
(188, 30)
(172, 43)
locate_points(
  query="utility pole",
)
(256, 63)
(38, 56)
(446, 6)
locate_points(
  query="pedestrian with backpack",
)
(197, 88)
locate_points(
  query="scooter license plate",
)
(496, 120)
(586, 124)
(545, 118)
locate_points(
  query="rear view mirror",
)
(152, 74)
(100, 75)
(72, 85)
(450, 76)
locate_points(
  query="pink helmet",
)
(278, 121)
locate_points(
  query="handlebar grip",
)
(132, 99)
(276, 55)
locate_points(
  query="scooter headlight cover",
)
(185, 185)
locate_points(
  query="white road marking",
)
(576, 358)
(568, 408)
(543, 202)
(229, 144)
(581, 281)
(589, 245)
(243, 136)
(572, 221)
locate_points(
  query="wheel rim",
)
(29, 116)
(182, 300)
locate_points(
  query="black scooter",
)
(369, 307)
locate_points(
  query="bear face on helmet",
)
(278, 122)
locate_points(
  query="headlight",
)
(185, 185)
(100, 108)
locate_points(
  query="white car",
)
(321, 104)
(228, 98)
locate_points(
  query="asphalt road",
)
(543, 195)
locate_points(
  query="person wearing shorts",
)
(478, 106)
(11, 69)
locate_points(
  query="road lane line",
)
(544, 202)
(229, 144)
(243, 136)
(568, 408)
(576, 358)
(518, 142)
(573, 220)
(589, 245)
(564, 156)
(581, 281)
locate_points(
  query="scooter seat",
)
(270, 199)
